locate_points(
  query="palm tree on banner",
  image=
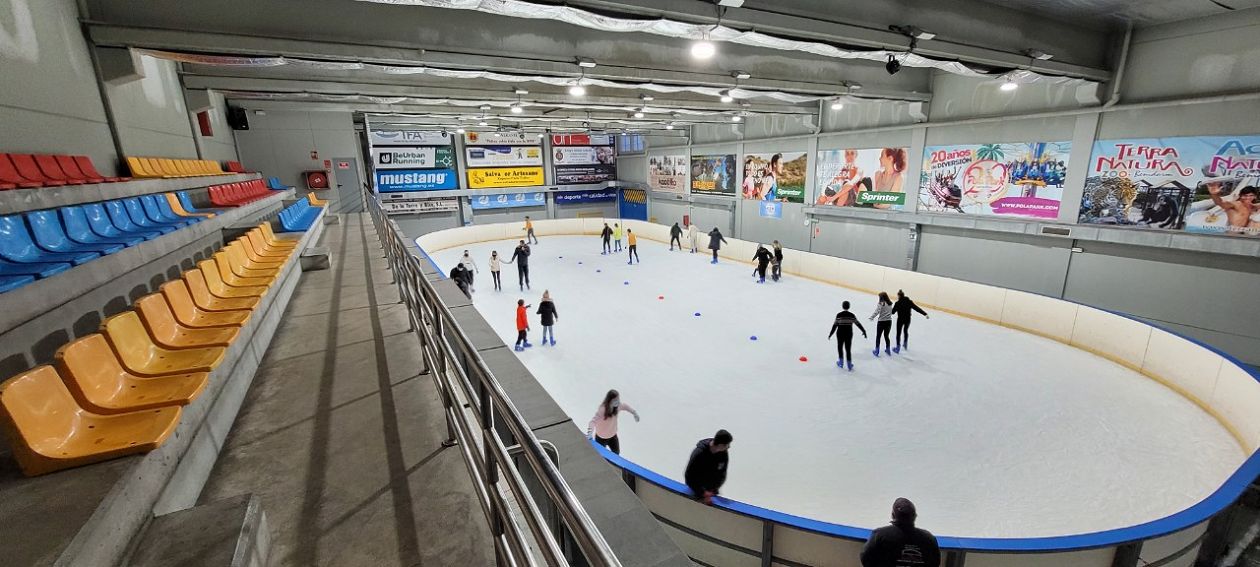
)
(990, 151)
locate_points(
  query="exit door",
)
(347, 194)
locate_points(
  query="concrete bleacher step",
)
(227, 533)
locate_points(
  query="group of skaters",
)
(885, 309)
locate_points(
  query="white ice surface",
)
(992, 432)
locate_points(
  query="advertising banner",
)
(416, 180)
(503, 156)
(442, 205)
(507, 201)
(581, 140)
(583, 155)
(872, 178)
(713, 175)
(505, 177)
(1009, 179)
(1207, 184)
(668, 173)
(409, 138)
(588, 196)
(580, 174)
(775, 177)
(501, 139)
(420, 157)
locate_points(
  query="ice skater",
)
(633, 241)
(606, 235)
(842, 329)
(529, 231)
(471, 266)
(616, 237)
(715, 242)
(522, 326)
(706, 469)
(603, 427)
(461, 276)
(693, 235)
(675, 235)
(776, 265)
(901, 543)
(903, 308)
(495, 265)
(547, 317)
(883, 323)
(762, 257)
(520, 257)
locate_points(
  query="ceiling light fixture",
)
(484, 107)
(913, 32)
(586, 62)
(516, 109)
(703, 49)
(483, 123)
(669, 126)
(638, 115)
(1009, 85)
(726, 96)
(1038, 54)
(736, 118)
(521, 91)
(741, 74)
(836, 104)
(647, 98)
(459, 130)
(577, 89)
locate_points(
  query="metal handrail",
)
(459, 371)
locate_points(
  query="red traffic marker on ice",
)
(660, 297)
(804, 359)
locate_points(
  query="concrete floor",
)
(340, 434)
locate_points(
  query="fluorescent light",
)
(1038, 54)
(484, 107)
(577, 90)
(516, 109)
(638, 115)
(731, 3)
(669, 126)
(459, 130)
(726, 96)
(736, 118)
(836, 104)
(703, 49)
(741, 74)
(586, 62)
(1009, 85)
(540, 136)
(483, 123)
(647, 98)
(521, 91)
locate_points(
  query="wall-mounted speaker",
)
(237, 118)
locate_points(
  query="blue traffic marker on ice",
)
(752, 338)
(598, 271)
(562, 257)
(625, 283)
(579, 263)
(697, 313)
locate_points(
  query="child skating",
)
(842, 329)
(495, 265)
(883, 325)
(634, 247)
(522, 326)
(547, 316)
(603, 427)
(529, 231)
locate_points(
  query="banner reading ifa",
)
(421, 157)
(668, 173)
(507, 201)
(505, 177)
(873, 178)
(775, 177)
(416, 180)
(1009, 179)
(1208, 184)
(408, 138)
(588, 196)
(503, 156)
(713, 175)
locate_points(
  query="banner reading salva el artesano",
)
(775, 177)
(862, 178)
(1203, 184)
(713, 175)
(1008, 179)
(503, 156)
(667, 173)
(420, 157)
(505, 177)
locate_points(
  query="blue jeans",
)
(547, 330)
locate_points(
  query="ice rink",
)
(992, 432)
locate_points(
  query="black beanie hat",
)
(903, 511)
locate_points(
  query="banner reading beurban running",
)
(668, 173)
(416, 180)
(408, 138)
(872, 177)
(505, 177)
(503, 156)
(1208, 184)
(775, 177)
(1008, 179)
(420, 157)
(713, 175)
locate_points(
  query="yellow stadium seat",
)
(50, 432)
(315, 200)
(259, 243)
(100, 384)
(140, 355)
(138, 169)
(236, 251)
(167, 332)
(157, 166)
(190, 315)
(199, 288)
(273, 240)
(178, 207)
(182, 166)
(170, 169)
(214, 281)
(229, 272)
(250, 242)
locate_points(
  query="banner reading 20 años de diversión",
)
(1008, 179)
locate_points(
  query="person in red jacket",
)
(522, 325)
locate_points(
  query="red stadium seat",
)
(11, 177)
(52, 170)
(85, 165)
(72, 170)
(26, 166)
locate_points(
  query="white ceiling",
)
(1102, 13)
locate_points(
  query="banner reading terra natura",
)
(1007, 179)
(668, 173)
(1204, 184)
(873, 178)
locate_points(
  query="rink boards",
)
(734, 533)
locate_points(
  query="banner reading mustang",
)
(862, 178)
(1009, 179)
(1208, 184)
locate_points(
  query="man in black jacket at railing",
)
(901, 544)
(706, 470)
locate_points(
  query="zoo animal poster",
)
(1008, 179)
(775, 177)
(1197, 184)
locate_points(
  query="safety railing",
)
(479, 413)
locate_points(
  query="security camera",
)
(893, 65)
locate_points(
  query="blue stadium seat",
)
(80, 230)
(274, 184)
(135, 209)
(186, 201)
(10, 283)
(34, 269)
(101, 217)
(125, 220)
(49, 235)
(154, 210)
(16, 245)
(298, 217)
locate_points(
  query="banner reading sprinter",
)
(505, 177)
(388, 180)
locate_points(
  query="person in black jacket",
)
(520, 257)
(715, 243)
(547, 315)
(462, 278)
(902, 309)
(762, 257)
(901, 544)
(675, 235)
(842, 329)
(706, 470)
(606, 234)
